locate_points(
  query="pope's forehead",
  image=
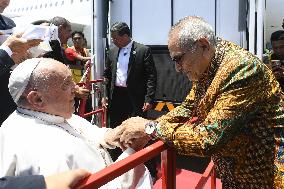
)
(53, 69)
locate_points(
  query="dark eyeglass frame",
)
(178, 57)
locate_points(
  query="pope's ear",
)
(35, 99)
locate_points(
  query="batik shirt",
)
(240, 120)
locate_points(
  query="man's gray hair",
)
(190, 29)
(57, 21)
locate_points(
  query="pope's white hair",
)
(41, 79)
(190, 29)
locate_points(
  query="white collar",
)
(129, 45)
(48, 118)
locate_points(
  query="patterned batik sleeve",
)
(240, 96)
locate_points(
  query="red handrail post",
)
(213, 178)
(168, 169)
(205, 176)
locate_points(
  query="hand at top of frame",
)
(20, 45)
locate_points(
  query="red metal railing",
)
(209, 172)
(87, 84)
(82, 106)
(168, 168)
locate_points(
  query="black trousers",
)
(120, 106)
(121, 109)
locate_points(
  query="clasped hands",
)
(131, 133)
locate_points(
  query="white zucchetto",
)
(20, 77)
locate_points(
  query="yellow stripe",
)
(160, 106)
(170, 106)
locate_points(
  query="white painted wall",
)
(151, 20)
(152, 25)
(231, 20)
(273, 17)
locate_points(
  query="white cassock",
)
(33, 143)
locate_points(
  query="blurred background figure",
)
(78, 55)
(277, 56)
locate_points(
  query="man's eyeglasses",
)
(178, 57)
(77, 38)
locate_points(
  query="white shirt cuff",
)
(126, 153)
(7, 49)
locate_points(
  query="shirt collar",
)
(129, 45)
(48, 118)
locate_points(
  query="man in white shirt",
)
(43, 136)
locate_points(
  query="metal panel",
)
(230, 20)
(120, 11)
(151, 21)
(203, 8)
(274, 15)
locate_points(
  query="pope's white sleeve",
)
(137, 178)
(7, 160)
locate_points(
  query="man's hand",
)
(147, 106)
(277, 69)
(20, 57)
(104, 102)
(20, 45)
(65, 180)
(132, 133)
(81, 92)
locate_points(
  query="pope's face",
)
(60, 96)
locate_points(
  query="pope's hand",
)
(132, 132)
(137, 143)
(111, 139)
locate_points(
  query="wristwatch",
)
(150, 129)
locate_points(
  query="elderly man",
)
(43, 136)
(233, 113)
